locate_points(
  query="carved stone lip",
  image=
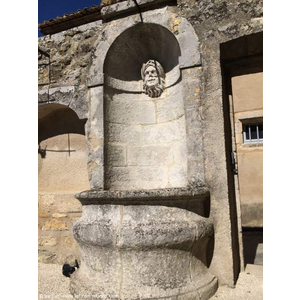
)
(143, 197)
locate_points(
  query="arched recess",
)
(145, 138)
(137, 45)
(62, 150)
(182, 65)
(181, 29)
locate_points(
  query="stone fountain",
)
(145, 225)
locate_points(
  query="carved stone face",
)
(153, 76)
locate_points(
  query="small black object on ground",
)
(67, 269)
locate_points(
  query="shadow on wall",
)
(253, 240)
(62, 150)
(56, 119)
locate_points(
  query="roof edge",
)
(107, 10)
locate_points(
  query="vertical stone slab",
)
(95, 138)
(215, 163)
(194, 131)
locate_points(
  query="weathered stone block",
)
(54, 224)
(43, 214)
(154, 282)
(97, 226)
(150, 156)
(58, 215)
(191, 92)
(58, 203)
(140, 177)
(47, 257)
(165, 132)
(195, 172)
(178, 175)
(68, 242)
(179, 150)
(97, 177)
(116, 155)
(47, 241)
(192, 73)
(170, 108)
(120, 133)
(130, 112)
(96, 111)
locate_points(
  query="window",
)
(253, 133)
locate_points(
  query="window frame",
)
(250, 140)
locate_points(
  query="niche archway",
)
(145, 138)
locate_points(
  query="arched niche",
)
(163, 36)
(136, 46)
(144, 137)
(181, 29)
(62, 150)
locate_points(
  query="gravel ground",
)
(53, 285)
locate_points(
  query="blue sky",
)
(50, 9)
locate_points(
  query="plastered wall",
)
(247, 93)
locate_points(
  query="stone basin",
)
(143, 245)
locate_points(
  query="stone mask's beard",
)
(156, 90)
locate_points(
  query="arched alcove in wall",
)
(136, 46)
(62, 150)
(145, 137)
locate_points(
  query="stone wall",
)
(57, 213)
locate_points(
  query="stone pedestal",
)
(144, 245)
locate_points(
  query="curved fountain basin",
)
(131, 250)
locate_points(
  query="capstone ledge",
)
(140, 197)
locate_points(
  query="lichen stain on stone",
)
(174, 24)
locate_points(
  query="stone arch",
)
(62, 149)
(135, 46)
(178, 26)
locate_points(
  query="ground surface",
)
(53, 285)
